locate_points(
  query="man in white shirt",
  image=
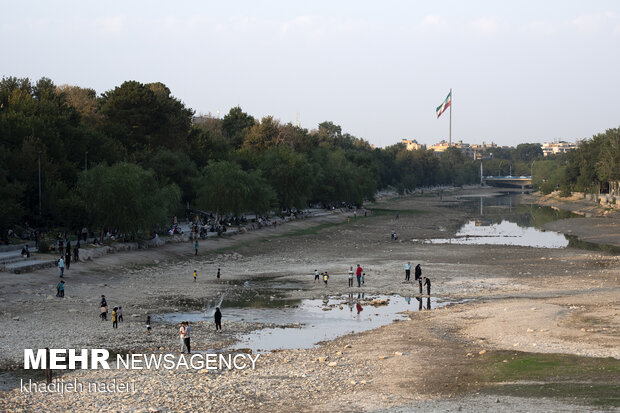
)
(407, 271)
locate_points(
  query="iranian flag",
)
(445, 105)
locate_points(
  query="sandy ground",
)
(516, 299)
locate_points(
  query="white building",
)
(552, 148)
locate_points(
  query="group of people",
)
(359, 273)
(422, 281)
(117, 312)
(217, 275)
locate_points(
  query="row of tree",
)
(592, 168)
(134, 155)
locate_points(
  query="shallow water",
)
(503, 220)
(313, 321)
(478, 232)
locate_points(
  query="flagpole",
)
(450, 136)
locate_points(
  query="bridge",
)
(509, 181)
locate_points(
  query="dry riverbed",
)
(530, 329)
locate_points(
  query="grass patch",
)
(589, 380)
(310, 230)
(377, 212)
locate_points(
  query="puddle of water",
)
(484, 232)
(312, 321)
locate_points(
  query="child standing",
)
(325, 277)
(195, 275)
(148, 325)
(119, 314)
(351, 276)
(218, 274)
(114, 320)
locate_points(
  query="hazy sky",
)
(521, 71)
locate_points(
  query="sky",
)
(520, 71)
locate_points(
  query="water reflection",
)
(503, 233)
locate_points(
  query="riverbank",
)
(517, 302)
(598, 226)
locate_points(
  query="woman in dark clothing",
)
(218, 319)
(427, 283)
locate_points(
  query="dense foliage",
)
(131, 157)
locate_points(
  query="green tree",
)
(290, 174)
(235, 126)
(126, 197)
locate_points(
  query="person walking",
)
(325, 277)
(196, 247)
(103, 313)
(358, 273)
(418, 272)
(187, 337)
(316, 275)
(114, 320)
(61, 267)
(351, 276)
(119, 314)
(218, 319)
(427, 283)
(148, 325)
(195, 275)
(407, 271)
(61, 289)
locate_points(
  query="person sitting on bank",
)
(25, 251)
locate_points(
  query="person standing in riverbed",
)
(316, 275)
(218, 274)
(61, 289)
(187, 337)
(427, 283)
(418, 272)
(61, 266)
(119, 314)
(196, 247)
(325, 277)
(351, 276)
(407, 270)
(218, 319)
(114, 319)
(148, 325)
(182, 336)
(195, 275)
(358, 273)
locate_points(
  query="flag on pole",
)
(445, 105)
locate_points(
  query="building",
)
(484, 151)
(553, 148)
(443, 145)
(412, 145)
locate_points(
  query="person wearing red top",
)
(359, 275)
